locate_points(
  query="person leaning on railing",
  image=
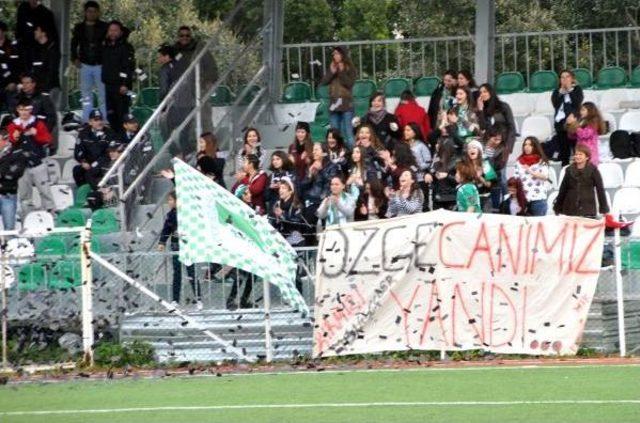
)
(340, 77)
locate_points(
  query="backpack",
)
(620, 145)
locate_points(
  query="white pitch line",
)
(318, 405)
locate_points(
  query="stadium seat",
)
(65, 275)
(635, 230)
(611, 120)
(322, 92)
(395, 86)
(318, 132)
(630, 121)
(561, 175)
(222, 96)
(51, 245)
(71, 218)
(62, 196)
(583, 77)
(322, 112)
(296, 92)
(551, 198)
(544, 80)
(67, 171)
(537, 126)
(632, 175)
(553, 178)
(425, 86)
(509, 82)
(522, 104)
(363, 88)
(104, 221)
(612, 174)
(53, 169)
(250, 95)
(610, 100)
(82, 192)
(627, 201)
(593, 96)
(66, 145)
(38, 221)
(142, 113)
(543, 105)
(360, 106)
(31, 277)
(611, 77)
(634, 79)
(149, 97)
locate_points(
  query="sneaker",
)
(199, 305)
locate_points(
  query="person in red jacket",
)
(256, 181)
(409, 111)
(34, 138)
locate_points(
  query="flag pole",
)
(266, 295)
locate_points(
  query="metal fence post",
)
(266, 295)
(198, 104)
(87, 291)
(5, 314)
(619, 293)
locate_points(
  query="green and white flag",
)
(216, 227)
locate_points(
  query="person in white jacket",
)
(339, 206)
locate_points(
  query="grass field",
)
(518, 394)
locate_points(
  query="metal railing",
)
(524, 52)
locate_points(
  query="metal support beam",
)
(484, 39)
(273, 21)
(61, 10)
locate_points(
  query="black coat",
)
(501, 116)
(91, 146)
(576, 196)
(434, 104)
(43, 61)
(87, 47)
(13, 163)
(291, 220)
(118, 62)
(576, 96)
(316, 187)
(29, 18)
(10, 63)
(170, 230)
(383, 130)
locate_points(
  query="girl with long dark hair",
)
(532, 169)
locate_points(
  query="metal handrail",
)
(569, 31)
(378, 42)
(169, 97)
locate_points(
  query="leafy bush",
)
(111, 354)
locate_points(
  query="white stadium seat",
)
(591, 96)
(543, 105)
(635, 228)
(632, 174)
(553, 178)
(38, 221)
(550, 200)
(610, 100)
(630, 121)
(612, 174)
(561, 176)
(53, 169)
(62, 196)
(423, 101)
(612, 121)
(627, 201)
(67, 171)
(522, 104)
(66, 145)
(537, 126)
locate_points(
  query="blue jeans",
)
(538, 208)
(8, 206)
(90, 77)
(342, 122)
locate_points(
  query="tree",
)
(308, 21)
(366, 20)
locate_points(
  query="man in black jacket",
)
(10, 67)
(43, 107)
(30, 14)
(86, 54)
(117, 72)
(13, 163)
(43, 61)
(91, 150)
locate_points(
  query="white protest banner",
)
(456, 281)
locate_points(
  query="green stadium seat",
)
(31, 277)
(51, 245)
(296, 92)
(75, 100)
(142, 113)
(70, 218)
(509, 82)
(542, 81)
(248, 98)
(630, 255)
(104, 221)
(322, 92)
(363, 88)
(82, 192)
(322, 112)
(425, 86)
(222, 96)
(634, 80)
(395, 86)
(583, 77)
(65, 274)
(149, 97)
(360, 106)
(611, 77)
(318, 132)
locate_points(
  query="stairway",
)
(173, 342)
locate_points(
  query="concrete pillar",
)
(273, 20)
(485, 41)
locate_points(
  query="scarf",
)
(376, 116)
(528, 159)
